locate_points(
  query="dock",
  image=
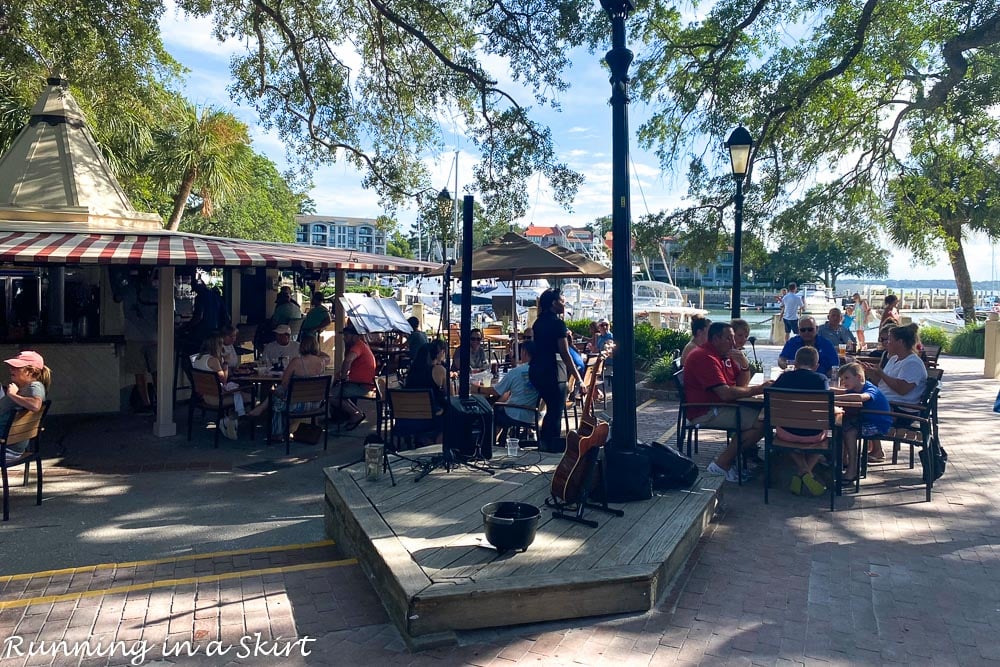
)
(422, 546)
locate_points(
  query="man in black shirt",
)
(551, 365)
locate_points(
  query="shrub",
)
(579, 327)
(935, 336)
(662, 370)
(652, 344)
(970, 342)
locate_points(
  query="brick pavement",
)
(887, 579)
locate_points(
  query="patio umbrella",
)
(515, 258)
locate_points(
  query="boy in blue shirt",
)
(860, 392)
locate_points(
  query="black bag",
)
(940, 462)
(308, 434)
(628, 477)
(670, 469)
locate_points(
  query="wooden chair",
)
(796, 408)
(311, 390)
(594, 368)
(930, 355)
(412, 415)
(915, 430)
(25, 426)
(208, 395)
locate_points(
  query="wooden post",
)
(340, 318)
(164, 426)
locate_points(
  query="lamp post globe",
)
(739, 144)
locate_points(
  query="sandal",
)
(875, 458)
(350, 426)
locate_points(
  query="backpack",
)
(669, 468)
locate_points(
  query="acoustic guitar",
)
(571, 473)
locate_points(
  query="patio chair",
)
(523, 430)
(908, 429)
(208, 396)
(926, 408)
(313, 391)
(797, 408)
(930, 355)
(412, 415)
(26, 426)
(688, 429)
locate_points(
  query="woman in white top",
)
(212, 358)
(904, 377)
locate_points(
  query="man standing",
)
(792, 306)
(707, 379)
(807, 336)
(835, 331)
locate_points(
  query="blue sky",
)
(581, 132)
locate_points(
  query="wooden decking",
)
(423, 547)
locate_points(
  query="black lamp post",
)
(619, 58)
(739, 144)
(444, 209)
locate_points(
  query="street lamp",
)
(739, 144)
(623, 383)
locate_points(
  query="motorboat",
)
(654, 300)
(818, 298)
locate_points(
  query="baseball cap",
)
(282, 329)
(26, 358)
(603, 320)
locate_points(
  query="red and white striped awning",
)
(180, 249)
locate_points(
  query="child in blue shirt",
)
(859, 391)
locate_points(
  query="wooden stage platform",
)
(422, 545)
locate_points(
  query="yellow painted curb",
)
(158, 561)
(167, 583)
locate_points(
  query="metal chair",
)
(930, 355)
(915, 430)
(313, 391)
(686, 427)
(25, 426)
(801, 409)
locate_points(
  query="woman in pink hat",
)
(29, 381)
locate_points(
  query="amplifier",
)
(468, 425)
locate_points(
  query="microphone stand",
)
(752, 340)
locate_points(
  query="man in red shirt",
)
(710, 377)
(357, 376)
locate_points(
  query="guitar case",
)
(627, 476)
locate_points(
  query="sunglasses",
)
(807, 328)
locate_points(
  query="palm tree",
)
(206, 154)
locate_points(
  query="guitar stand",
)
(562, 510)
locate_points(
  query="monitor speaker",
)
(468, 426)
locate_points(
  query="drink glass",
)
(512, 444)
(775, 372)
(842, 349)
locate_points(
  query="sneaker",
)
(796, 485)
(815, 486)
(731, 475)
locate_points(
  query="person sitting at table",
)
(707, 380)
(229, 353)
(578, 361)
(427, 372)
(417, 338)
(357, 376)
(828, 357)
(285, 309)
(30, 380)
(904, 376)
(477, 354)
(309, 363)
(880, 354)
(834, 330)
(211, 358)
(859, 392)
(699, 335)
(515, 388)
(282, 345)
(806, 378)
(317, 319)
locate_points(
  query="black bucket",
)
(510, 526)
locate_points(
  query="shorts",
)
(791, 326)
(725, 418)
(871, 430)
(140, 358)
(351, 390)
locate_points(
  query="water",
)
(760, 323)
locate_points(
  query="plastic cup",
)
(486, 381)
(842, 349)
(775, 372)
(512, 446)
